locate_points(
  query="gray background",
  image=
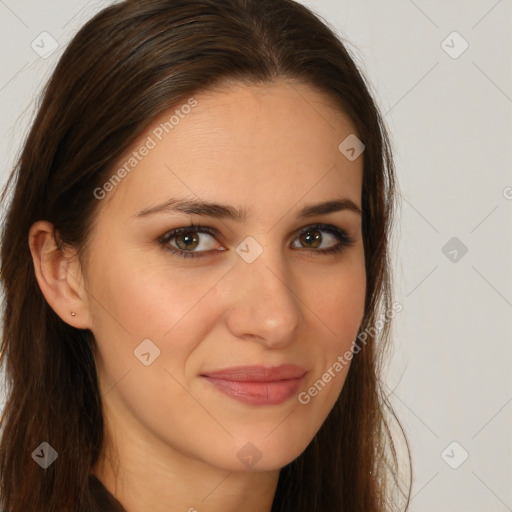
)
(450, 119)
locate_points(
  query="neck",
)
(147, 475)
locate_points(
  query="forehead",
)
(241, 142)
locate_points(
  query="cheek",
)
(141, 295)
(133, 301)
(339, 303)
(339, 306)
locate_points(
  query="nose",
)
(264, 304)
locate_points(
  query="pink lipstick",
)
(258, 385)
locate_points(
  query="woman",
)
(194, 260)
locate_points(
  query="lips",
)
(258, 385)
(258, 373)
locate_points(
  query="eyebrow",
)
(222, 211)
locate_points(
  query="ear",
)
(59, 276)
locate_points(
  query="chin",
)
(262, 454)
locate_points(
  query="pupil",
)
(311, 238)
(186, 240)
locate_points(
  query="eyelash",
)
(344, 239)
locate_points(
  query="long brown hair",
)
(128, 64)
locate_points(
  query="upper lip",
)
(258, 373)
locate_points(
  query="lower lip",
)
(258, 393)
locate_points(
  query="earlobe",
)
(59, 276)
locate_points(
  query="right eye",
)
(187, 239)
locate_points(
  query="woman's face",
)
(249, 290)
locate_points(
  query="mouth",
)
(258, 385)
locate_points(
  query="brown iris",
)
(191, 240)
(311, 239)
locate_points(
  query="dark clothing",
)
(103, 500)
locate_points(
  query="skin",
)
(270, 149)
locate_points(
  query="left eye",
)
(187, 239)
(312, 238)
